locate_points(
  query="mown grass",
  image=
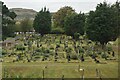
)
(0, 70)
(56, 70)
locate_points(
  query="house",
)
(8, 43)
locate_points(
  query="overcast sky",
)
(54, 5)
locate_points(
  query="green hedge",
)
(57, 31)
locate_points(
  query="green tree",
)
(0, 20)
(59, 16)
(100, 24)
(42, 22)
(8, 22)
(26, 25)
(12, 15)
(116, 11)
(17, 27)
(74, 25)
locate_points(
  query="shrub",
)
(38, 50)
(47, 51)
(57, 31)
(73, 56)
(3, 52)
(99, 53)
(57, 45)
(90, 53)
(37, 57)
(81, 50)
(69, 49)
(109, 48)
(76, 36)
(95, 54)
(51, 47)
(46, 55)
(104, 55)
(42, 49)
(20, 47)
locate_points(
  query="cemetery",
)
(66, 44)
(58, 55)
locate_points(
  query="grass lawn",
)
(56, 70)
(0, 70)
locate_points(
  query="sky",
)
(54, 5)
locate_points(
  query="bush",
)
(57, 31)
(3, 52)
(99, 53)
(44, 50)
(69, 49)
(46, 55)
(20, 47)
(95, 54)
(76, 36)
(81, 50)
(90, 53)
(73, 56)
(57, 45)
(104, 55)
(109, 48)
(47, 51)
(37, 57)
(38, 50)
(51, 47)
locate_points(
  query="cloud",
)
(54, 5)
(58, 0)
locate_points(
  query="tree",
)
(17, 27)
(0, 20)
(74, 25)
(8, 22)
(26, 25)
(42, 22)
(100, 24)
(12, 15)
(59, 16)
(116, 11)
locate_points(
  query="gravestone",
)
(113, 54)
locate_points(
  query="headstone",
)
(82, 58)
(113, 54)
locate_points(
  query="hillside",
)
(22, 13)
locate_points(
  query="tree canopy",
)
(116, 11)
(8, 22)
(42, 22)
(59, 16)
(101, 24)
(26, 25)
(74, 23)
